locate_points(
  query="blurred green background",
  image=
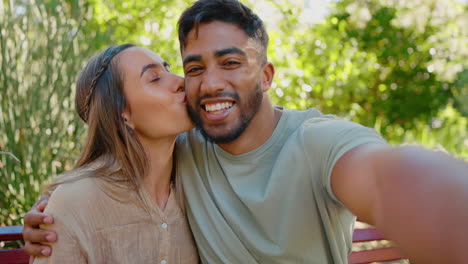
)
(397, 66)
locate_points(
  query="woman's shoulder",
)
(93, 201)
(75, 188)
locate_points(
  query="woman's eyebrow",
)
(148, 66)
(153, 65)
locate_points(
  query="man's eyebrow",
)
(191, 58)
(235, 50)
(218, 53)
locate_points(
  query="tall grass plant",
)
(42, 48)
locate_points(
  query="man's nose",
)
(212, 82)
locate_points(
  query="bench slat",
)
(13, 256)
(367, 234)
(10, 233)
(374, 255)
(18, 256)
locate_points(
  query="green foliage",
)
(39, 47)
(151, 24)
(370, 61)
(374, 62)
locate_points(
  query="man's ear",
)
(127, 119)
(268, 72)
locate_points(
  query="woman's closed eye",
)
(154, 76)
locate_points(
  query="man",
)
(271, 185)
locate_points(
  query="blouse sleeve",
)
(67, 249)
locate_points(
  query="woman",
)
(121, 202)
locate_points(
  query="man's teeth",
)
(218, 106)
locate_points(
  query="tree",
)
(376, 63)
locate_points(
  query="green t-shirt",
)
(275, 203)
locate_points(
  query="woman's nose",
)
(180, 83)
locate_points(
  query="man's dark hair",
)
(228, 11)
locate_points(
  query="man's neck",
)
(260, 129)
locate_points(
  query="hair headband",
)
(107, 57)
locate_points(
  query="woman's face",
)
(155, 97)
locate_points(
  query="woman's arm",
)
(66, 227)
(66, 249)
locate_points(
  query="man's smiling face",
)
(223, 73)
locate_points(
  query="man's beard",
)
(247, 113)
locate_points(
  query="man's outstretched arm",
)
(33, 235)
(417, 198)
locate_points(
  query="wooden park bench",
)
(18, 256)
(12, 256)
(372, 255)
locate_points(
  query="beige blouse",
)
(99, 222)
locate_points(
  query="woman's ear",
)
(127, 119)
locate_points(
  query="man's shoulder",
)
(303, 116)
(312, 121)
(331, 131)
(327, 124)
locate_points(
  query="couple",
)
(255, 183)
